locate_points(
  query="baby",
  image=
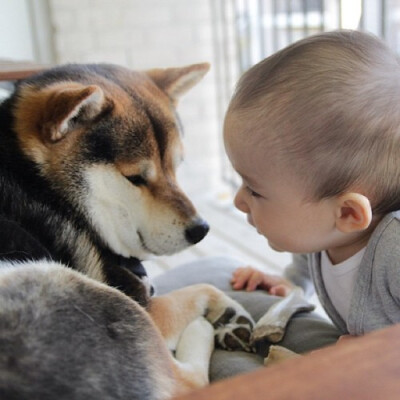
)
(314, 133)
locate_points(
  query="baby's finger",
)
(237, 285)
(241, 270)
(279, 290)
(235, 275)
(254, 280)
(239, 282)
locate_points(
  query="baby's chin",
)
(275, 247)
(250, 221)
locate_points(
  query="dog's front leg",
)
(189, 319)
(272, 325)
(174, 311)
(193, 353)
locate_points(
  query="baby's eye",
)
(252, 192)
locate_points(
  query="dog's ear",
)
(49, 114)
(177, 81)
(69, 107)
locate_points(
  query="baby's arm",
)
(250, 278)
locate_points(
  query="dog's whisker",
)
(85, 314)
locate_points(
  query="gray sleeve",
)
(298, 273)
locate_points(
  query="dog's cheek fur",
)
(152, 226)
(117, 225)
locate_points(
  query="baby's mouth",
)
(250, 220)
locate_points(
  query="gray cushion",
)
(305, 332)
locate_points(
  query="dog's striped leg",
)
(272, 325)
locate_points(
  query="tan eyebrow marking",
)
(145, 168)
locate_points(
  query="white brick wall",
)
(144, 34)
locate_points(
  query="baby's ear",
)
(354, 213)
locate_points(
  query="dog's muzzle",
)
(197, 231)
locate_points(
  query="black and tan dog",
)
(88, 155)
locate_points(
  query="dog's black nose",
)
(197, 231)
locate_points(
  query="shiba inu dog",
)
(88, 155)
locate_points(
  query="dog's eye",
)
(137, 180)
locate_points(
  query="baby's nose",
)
(240, 202)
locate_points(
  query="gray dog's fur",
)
(94, 342)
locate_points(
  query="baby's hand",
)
(250, 278)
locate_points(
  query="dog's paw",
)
(232, 327)
(278, 354)
(272, 325)
(273, 333)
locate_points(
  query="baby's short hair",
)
(331, 103)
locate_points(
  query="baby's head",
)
(327, 111)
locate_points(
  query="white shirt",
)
(339, 280)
